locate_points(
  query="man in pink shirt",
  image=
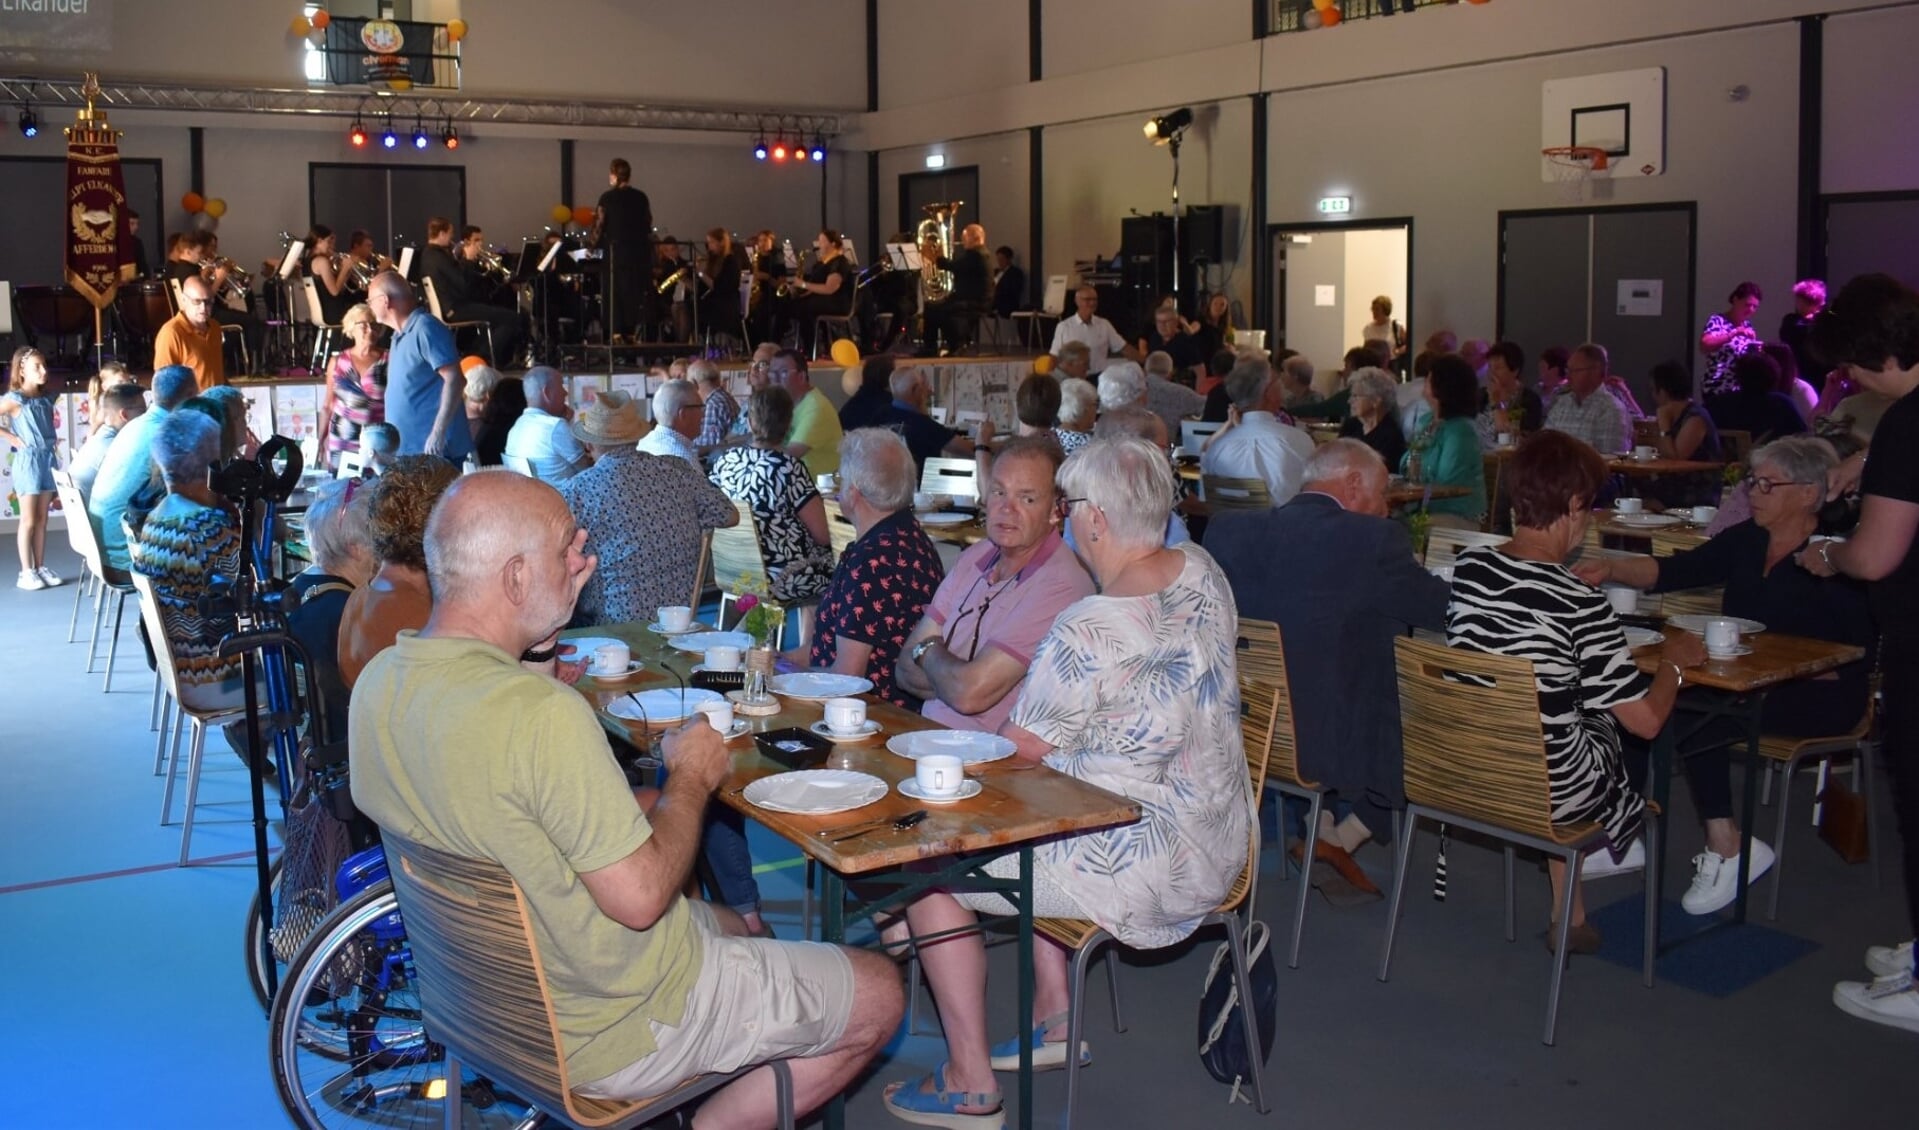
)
(968, 657)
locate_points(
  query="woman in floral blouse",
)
(1135, 691)
(1727, 337)
(786, 507)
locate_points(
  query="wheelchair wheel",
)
(346, 1040)
(254, 927)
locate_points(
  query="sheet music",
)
(552, 253)
(290, 262)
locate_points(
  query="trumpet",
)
(238, 281)
(360, 272)
(492, 266)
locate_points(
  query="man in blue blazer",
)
(1339, 578)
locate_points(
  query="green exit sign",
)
(1335, 205)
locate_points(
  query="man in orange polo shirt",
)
(192, 337)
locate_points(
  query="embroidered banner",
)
(99, 246)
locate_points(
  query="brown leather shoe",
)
(1582, 939)
(1343, 862)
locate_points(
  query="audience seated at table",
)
(1754, 562)
(1685, 431)
(717, 408)
(1375, 419)
(1519, 600)
(1258, 445)
(1036, 405)
(759, 374)
(778, 490)
(1446, 452)
(1351, 587)
(1754, 404)
(340, 540)
(1166, 397)
(644, 516)
(815, 427)
(504, 406)
(677, 414)
(480, 381)
(870, 405)
(1137, 421)
(1075, 359)
(925, 437)
(967, 659)
(120, 404)
(1078, 408)
(397, 597)
(1338, 405)
(886, 578)
(128, 480)
(182, 544)
(1584, 410)
(541, 436)
(381, 443)
(1506, 405)
(1133, 690)
(1212, 385)
(459, 748)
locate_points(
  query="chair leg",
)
(1779, 837)
(153, 716)
(806, 901)
(99, 614)
(1559, 955)
(1075, 1028)
(1236, 943)
(450, 1110)
(113, 641)
(79, 590)
(1512, 920)
(1654, 829)
(1112, 988)
(1400, 863)
(194, 760)
(1765, 782)
(1867, 793)
(173, 765)
(783, 1093)
(1305, 888)
(160, 737)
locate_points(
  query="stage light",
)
(449, 136)
(1161, 130)
(389, 139)
(356, 136)
(420, 138)
(759, 148)
(779, 148)
(29, 122)
(819, 147)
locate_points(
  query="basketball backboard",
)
(1622, 113)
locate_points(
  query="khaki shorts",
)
(755, 1001)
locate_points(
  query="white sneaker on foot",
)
(53, 579)
(1884, 961)
(29, 580)
(1892, 1001)
(1601, 863)
(1715, 879)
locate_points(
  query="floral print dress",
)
(775, 486)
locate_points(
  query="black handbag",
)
(1222, 1032)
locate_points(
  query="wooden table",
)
(1683, 535)
(1736, 689)
(1018, 805)
(1642, 468)
(961, 534)
(1406, 494)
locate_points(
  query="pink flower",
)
(747, 602)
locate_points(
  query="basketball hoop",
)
(1573, 167)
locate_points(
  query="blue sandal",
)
(940, 1107)
(1046, 1056)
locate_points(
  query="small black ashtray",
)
(793, 747)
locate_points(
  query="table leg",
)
(1664, 754)
(1750, 805)
(1026, 989)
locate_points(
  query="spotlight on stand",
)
(389, 139)
(759, 147)
(1159, 131)
(356, 136)
(779, 147)
(449, 136)
(29, 122)
(420, 138)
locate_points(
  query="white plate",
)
(661, 704)
(972, 747)
(1734, 653)
(944, 519)
(818, 685)
(1645, 521)
(585, 646)
(695, 626)
(1643, 637)
(911, 788)
(700, 641)
(633, 667)
(864, 732)
(815, 792)
(1696, 624)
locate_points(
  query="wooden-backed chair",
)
(1443, 544)
(484, 995)
(433, 304)
(700, 571)
(1735, 445)
(1264, 691)
(1787, 754)
(1224, 493)
(839, 527)
(739, 565)
(1476, 757)
(1259, 705)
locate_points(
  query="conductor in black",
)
(623, 228)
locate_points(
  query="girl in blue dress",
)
(26, 423)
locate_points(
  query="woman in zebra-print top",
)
(1519, 600)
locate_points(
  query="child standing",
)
(26, 423)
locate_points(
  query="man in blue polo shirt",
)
(424, 385)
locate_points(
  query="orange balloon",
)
(1330, 17)
(216, 207)
(470, 363)
(321, 18)
(583, 215)
(300, 26)
(560, 214)
(456, 30)
(193, 202)
(1322, 5)
(1043, 364)
(845, 353)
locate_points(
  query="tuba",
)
(935, 238)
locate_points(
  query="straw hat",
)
(612, 419)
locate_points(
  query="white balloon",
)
(1312, 20)
(317, 37)
(204, 222)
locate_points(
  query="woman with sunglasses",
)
(1754, 560)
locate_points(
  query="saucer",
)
(739, 729)
(703, 669)
(864, 732)
(661, 630)
(633, 667)
(1734, 653)
(911, 788)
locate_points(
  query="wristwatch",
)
(1825, 550)
(539, 655)
(1678, 671)
(920, 648)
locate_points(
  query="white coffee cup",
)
(1722, 636)
(1628, 505)
(675, 617)
(609, 659)
(719, 715)
(827, 483)
(1703, 515)
(722, 657)
(924, 501)
(1505, 439)
(845, 715)
(1624, 600)
(940, 774)
(1645, 453)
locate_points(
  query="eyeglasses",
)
(978, 612)
(1763, 485)
(1066, 505)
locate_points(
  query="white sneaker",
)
(1892, 1001)
(1884, 961)
(29, 580)
(1715, 879)
(53, 579)
(1601, 863)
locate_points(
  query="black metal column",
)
(1259, 243)
(196, 159)
(1035, 68)
(1036, 210)
(1811, 256)
(566, 169)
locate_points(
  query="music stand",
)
(405, 265)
